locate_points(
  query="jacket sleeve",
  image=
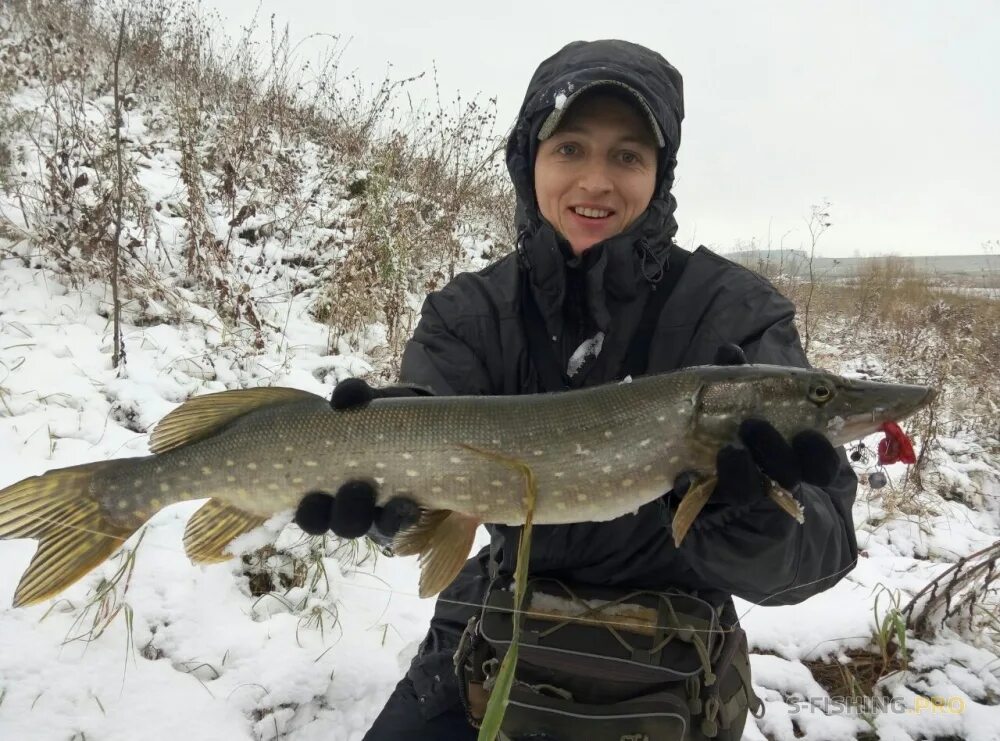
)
(757, 552)
(442, 354)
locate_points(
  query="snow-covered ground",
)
(227, 665)
(197, 656)
(204, 652)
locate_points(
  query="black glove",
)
(351, 511)
(745, 468)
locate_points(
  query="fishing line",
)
(477, 606)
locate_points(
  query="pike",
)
(587, 455)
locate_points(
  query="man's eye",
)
(566, 149)
(630, 158)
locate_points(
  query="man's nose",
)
(595, 178)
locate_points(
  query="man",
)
(596, 290)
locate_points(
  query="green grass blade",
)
(497, 705)
(489, 729)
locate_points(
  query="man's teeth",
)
(592, 213)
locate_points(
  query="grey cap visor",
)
(563, 103)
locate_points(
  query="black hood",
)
(574, 66)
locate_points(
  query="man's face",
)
(596, 174)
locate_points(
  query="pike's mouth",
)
(856, 426)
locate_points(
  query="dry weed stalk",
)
(818, 223)
(73, 174)
(963, 597)
(118, 354)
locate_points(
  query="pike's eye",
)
(820, 393)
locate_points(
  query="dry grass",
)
(857, 675)
(921, 328)
(267, 144)
(417, 193)
(925, 333)
(899, 324)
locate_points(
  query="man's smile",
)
(592, 212)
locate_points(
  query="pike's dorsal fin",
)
(443, 540)
(203, 416)
(213, 527)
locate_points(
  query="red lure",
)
(895, 447)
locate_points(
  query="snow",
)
(319, 664)
(588, 349)
(202, 658)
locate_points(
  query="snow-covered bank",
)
(196, 654)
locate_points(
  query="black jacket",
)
(471, 339)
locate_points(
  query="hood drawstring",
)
(522, 253)
(653, 266)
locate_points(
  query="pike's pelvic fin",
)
(690, 507)
(59, 511)
(443, 540)
(213, 527)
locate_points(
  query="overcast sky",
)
(889, 110)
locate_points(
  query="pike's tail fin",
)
(58, 510)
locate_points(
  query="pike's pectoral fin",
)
(58, 510)
(213, 527)
(690, 507)
(442, 539)
(203, 416)
(784, 499)
(694, 502)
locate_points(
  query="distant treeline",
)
(795, 263)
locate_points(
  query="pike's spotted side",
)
(594, 454)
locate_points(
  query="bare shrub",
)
(962, 598)
(267, 150)
(419, 189)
